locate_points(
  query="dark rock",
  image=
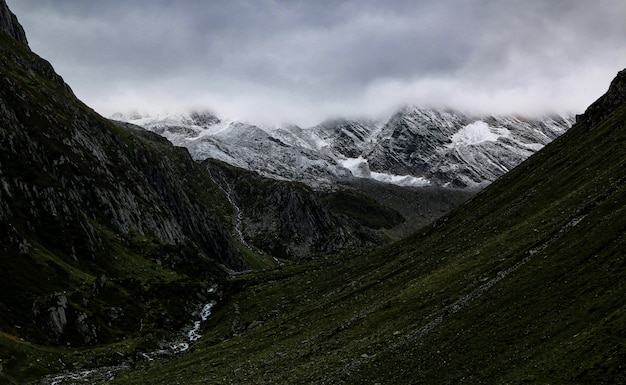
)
(100, 283)
(85, 330)
(10, 24)
(289, 219)
(613, 99)
(54, 318)
(115, 313)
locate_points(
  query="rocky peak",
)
(204, 119)
(10, 24)
(613, 99)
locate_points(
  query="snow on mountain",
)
(476, 133)
(454, 149)
(359, 168)
(416, 147)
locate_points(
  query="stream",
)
(108, 373)
(238, 213)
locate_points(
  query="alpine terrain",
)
(416, 167)
(524, 283)
(416, 147)
(126, 260)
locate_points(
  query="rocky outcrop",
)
(52, 315)
(10, 24)
(85, 330)
(613, 99)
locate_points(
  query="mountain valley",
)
(433, 248)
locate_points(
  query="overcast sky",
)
(302, 61)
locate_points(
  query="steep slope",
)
(290, 220)
(10, 24)
(523, 283)
(349, 138)
(451, 148)
(104, 231)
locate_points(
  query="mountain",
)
(451, 148)
(283, 154)
(123, 261)
(10, 24)
(524, 283)
(290, 220)
(416, 147)
(106, 232)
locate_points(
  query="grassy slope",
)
(523, 283)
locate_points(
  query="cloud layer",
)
(303, 61)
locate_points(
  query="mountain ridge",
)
(414, 147)
(10, 24)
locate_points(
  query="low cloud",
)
(302, 61)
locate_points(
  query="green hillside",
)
(525, 283)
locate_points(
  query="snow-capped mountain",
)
(451, 148)
(415, 147)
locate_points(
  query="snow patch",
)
(401, 180)
(214, 129)
(476, 133)
(359, 167)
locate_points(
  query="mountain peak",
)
(10, 24)
(613, 99)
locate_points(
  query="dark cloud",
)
(304, 60)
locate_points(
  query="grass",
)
(257, 261)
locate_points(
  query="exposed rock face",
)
(85, 330)
(451, 148)
(291, 220)
(416, 147)
(52, 316)
(613, 99)
(10, 25)
(349, 138)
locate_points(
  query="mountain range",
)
(415, 147)
(127, 260)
